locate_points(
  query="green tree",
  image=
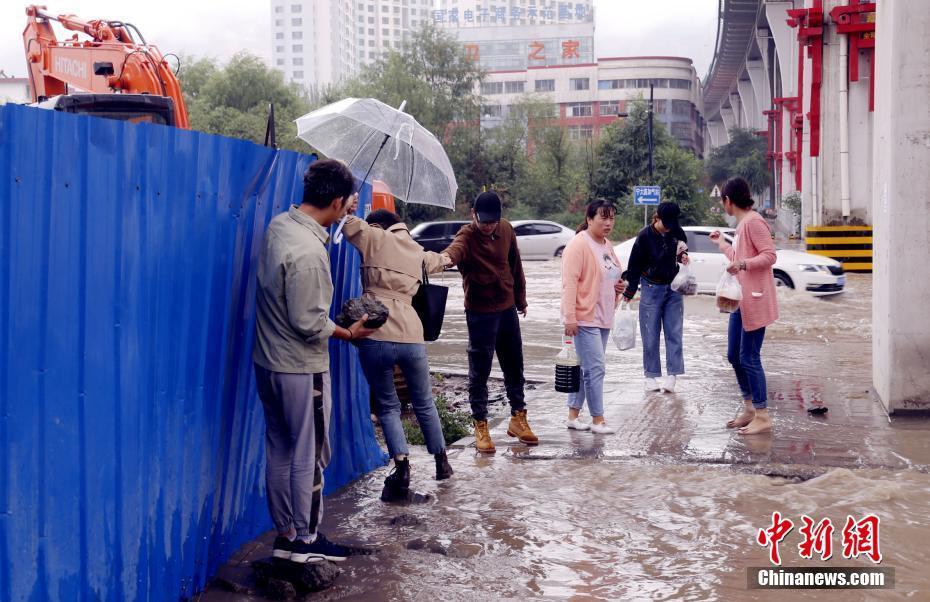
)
(432, 73)
(623, 162)
(744, 156)
(233, 100)
(624, 153)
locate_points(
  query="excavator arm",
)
(111, 61)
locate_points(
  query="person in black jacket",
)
(658, 250)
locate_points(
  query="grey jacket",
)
(295, 291)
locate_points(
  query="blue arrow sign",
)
(647, 195)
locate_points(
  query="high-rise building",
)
(319, 42)
(482, 13)
(546, 48)
(586, 98)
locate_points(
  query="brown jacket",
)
(392, 269)
(492, 272)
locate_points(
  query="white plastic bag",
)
(685, 282)
(624, 332)
(729, 293)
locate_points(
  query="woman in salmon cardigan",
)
(591, 287)
(751, 256)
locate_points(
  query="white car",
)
(818, 275)
(538, 239)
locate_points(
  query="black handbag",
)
(430, 305)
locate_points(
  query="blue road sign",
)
(647, 195)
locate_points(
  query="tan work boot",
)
(483, 437)
(520, 428)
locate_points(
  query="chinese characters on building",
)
(561, 12)
(860, 538)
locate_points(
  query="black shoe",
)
(282, 548)
(397, 484)
(443, 468)
(321, 549)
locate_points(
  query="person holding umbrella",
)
(658, 250)
(392, 270)
(291, 357)
(487, 256)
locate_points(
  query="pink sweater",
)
(581, 280)
(759, 307)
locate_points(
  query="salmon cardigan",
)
(759, 307)
(581, 280)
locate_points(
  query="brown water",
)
(667, 508)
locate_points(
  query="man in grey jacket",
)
(291, 355)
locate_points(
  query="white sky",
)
(220, 28)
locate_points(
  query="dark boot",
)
(397, 484)
(443, 468)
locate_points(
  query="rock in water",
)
(272, 575)
(354, 309)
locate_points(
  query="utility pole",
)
(651, 166)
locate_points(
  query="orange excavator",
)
(115, 74)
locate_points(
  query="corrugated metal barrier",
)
(131, 438)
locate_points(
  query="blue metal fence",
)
(131, 439)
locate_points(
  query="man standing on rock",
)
(486, 254)
(291, 356)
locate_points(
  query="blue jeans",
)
(590, 344)
(378, 359)
(744, 352)
(661, 309)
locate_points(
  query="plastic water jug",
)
(567, 369)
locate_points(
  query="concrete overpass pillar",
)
(901, 207)
(747, 99)
(729, 119)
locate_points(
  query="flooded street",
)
(669, 507)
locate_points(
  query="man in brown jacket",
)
(487, 256)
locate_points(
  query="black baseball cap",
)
(488, 207)
(668, 213)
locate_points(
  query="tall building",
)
(546, 48)
(14, 89)
(319, 42)
(482, 13)
(506, 35)
(588, 97)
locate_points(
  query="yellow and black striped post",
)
(850, 245)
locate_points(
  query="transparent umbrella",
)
(379, 142)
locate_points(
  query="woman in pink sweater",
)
(591, 286)
(751, 258)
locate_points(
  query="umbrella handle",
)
(337, 235)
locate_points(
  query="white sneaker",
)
(602, 429)
(652, 384)
(669, 385)
(577, 425)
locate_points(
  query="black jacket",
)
(654, 257)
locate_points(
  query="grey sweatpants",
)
(297, 409)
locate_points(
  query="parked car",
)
(818, 275)
(540, 239)
(436, 236)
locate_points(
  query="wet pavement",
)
(668, 507)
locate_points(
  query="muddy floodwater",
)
(669, 507)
